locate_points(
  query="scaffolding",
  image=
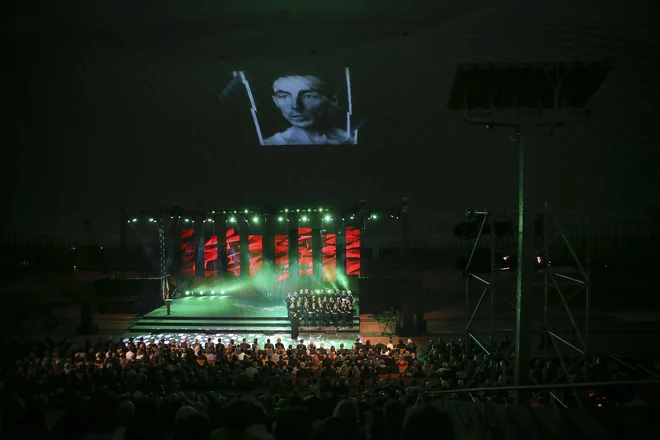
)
(521, 98)
(562, 273)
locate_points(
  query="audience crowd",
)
(210, 389)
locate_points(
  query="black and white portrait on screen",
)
(310, 109)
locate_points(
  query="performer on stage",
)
(295, 322)
(321, 308)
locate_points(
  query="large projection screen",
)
(303, 108)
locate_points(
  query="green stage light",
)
(222, 292)
(304, 218)
(280, 219)
(328, 218)
(286, 210)
(352, 217)
(309, 210)
(201, 292)
(134, 220)
(246, 211)
(187, 292)
(374, 216)
(212, 292)
(297, 210)
(151, 220)
(255, 219)
(186, 220)
(232, 219)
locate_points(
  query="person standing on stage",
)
(294, 327)
(313, 314)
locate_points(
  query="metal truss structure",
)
(526, 97)
(561, 277)
(360, 213)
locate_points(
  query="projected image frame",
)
(311, 109)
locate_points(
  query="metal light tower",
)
(524, 97)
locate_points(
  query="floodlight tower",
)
(525, 97)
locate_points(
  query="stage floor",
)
(233, 313)
(229, 306)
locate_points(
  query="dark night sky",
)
(117, 105)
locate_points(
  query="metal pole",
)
(545, 277)
(122, 241)
(587, 314)
(162, 265)
(493, 243)
(559, 386)
(547, 266)
(526, 257)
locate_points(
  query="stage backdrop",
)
(205, 260)
(233, 252)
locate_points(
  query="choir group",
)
(321, 308)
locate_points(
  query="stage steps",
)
(228, 324)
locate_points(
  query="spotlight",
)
(222, 292)
(232, 219)
(280, 219)
(187, 292)
(246, 211)
(134, 220)
(255, 219)
(201, 292)
(328, 218)
(304, 218)
(212, 292)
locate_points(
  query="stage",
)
(227, 313)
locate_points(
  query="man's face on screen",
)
(301, 99)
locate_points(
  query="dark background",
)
(116, 104)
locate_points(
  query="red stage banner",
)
(233, 252)
(352, 250)
(256, 254)
(211, 257)
(305, 259)
(188, 251)
(329, 260)
(282, 257)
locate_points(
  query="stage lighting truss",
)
(562, 273)
(359, 215)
